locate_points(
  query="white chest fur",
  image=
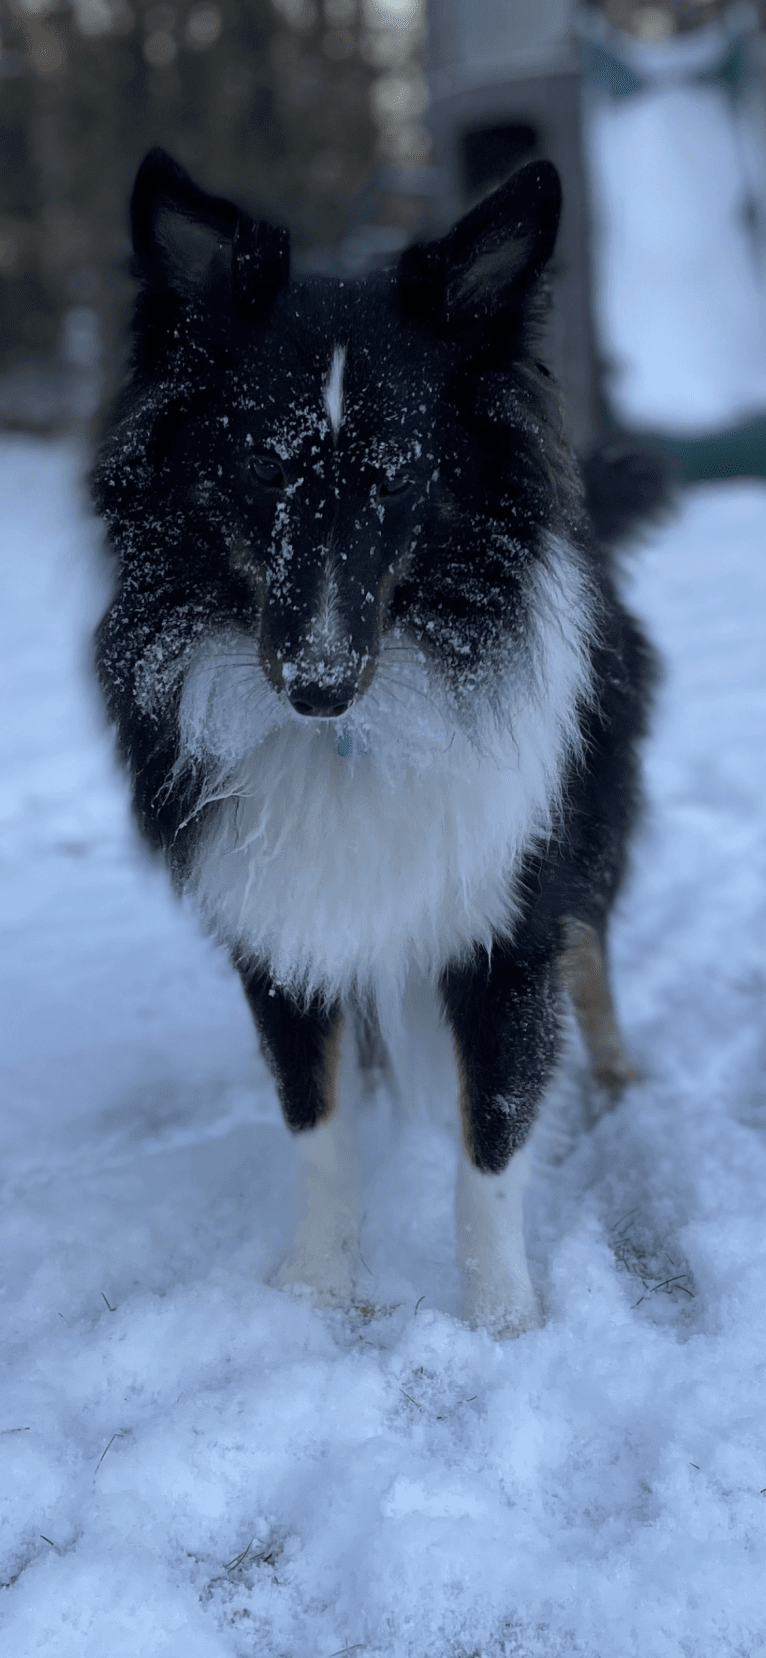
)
(346, 869)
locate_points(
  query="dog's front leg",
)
(304, 1046)
(504, 1016)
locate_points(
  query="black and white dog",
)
(377, 693)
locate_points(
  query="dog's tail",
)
(626, 490)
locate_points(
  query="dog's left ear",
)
(492, 260)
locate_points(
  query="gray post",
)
(505, 87)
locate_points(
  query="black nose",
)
(321, 702)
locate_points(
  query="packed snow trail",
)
(196, 1466)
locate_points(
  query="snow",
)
(195, 1464)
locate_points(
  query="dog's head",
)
(315, 462)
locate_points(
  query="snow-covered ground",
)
(196, 1466)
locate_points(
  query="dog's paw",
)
(324, 1281)
(505, 1321)
(506, 1326)
(504, 1303)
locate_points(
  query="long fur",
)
(346, 869)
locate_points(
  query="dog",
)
(379, 698)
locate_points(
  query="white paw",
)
(498, 1294)
(504, 1313)
(319, 1266)
(325, 1277)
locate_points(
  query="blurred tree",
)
(288, 105)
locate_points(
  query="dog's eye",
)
(397, 484)
(268, 471)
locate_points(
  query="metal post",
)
(505, 87)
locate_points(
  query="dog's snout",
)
(321, 702)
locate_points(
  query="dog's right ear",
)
(196, 245)
(481, 277)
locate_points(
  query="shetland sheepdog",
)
(378, 695)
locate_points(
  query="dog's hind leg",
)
(312, 1055)
(583, 970)
(505, 1017)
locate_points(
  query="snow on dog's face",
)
(323, 463)
(308, 479)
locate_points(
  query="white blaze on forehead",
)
(333, 388)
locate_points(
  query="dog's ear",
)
(492, 260)
(193, 244)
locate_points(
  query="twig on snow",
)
(120, 1434)
(664, 1285)
(239, 1560)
